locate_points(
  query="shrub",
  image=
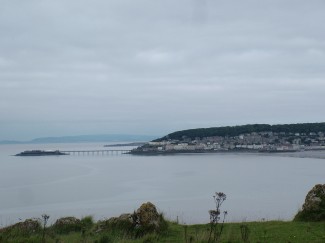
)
(215, 229)
(87, 222)
(105, 239)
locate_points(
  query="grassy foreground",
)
(269, 231)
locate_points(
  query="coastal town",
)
(255, 142)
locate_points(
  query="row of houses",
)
(267, 141)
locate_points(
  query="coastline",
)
(314, 154)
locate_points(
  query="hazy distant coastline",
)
(126, 144)
(85, 139)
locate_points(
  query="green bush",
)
(87, 222)
(105, 239)
(312, 216)
(128, 225)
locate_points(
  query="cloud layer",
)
(80, 67)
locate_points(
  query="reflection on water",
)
(182, 186)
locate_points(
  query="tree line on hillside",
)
(233, 131)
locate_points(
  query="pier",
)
(97, 152)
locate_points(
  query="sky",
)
(153, 67)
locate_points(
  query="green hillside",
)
(237, 130)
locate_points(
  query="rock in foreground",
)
(144, 220)
(314, 206)
(27, 227)
(148, 216)
(67, 224)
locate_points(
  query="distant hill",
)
(87, 138)
(10, 142)
(237, 130)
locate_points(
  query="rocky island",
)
(40, 153)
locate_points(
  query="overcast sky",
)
(70, 67)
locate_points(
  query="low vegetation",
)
(270, 231)
(147, 225)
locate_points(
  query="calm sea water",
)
(257, 186)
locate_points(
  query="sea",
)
(258, 186)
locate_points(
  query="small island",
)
(40, 153)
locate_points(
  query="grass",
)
(269, 231)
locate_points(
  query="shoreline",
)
(313, 154)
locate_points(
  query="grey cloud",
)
(160, 64)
